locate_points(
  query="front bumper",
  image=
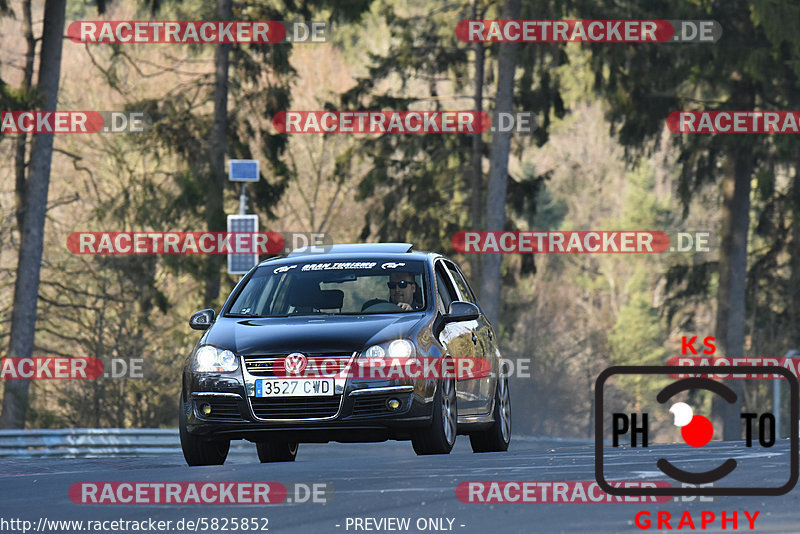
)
(359, 411)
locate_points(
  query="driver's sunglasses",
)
(402, 284)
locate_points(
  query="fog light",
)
(205, 409)
(393, 404)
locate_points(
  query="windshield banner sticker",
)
(338, 266)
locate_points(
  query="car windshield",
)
(363, 286)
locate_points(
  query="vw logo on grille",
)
(295, 363)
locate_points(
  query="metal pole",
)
(242, 210)
(776, 406)
(776, 396)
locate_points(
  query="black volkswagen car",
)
(299, 351)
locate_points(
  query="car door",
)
(483, 337)
(460, 340)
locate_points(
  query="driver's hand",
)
(405, 305)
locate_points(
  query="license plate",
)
(282, 387)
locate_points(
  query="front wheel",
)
(197, 451)
(440, 437)
(276, 451)
(498, 436)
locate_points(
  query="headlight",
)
(401, 348)
(375, 352)
(210, 359)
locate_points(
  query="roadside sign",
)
(243, 170)
(242, 263)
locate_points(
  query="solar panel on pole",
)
(242, 263)
(243, 170)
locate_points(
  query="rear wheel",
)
(498, 436)
(276, 451)
(441, 435)
(198, 451)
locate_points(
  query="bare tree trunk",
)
(794, 261)
(215, 214)
(730, 327)
(27, 83)
(731, 314)
(476, 179)
(498, 170)
(26, 289)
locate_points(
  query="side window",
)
(247, 301)
(443, 287)
(463, 287)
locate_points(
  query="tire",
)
(441, 435)
(198, 451)
(276, 451)
(498, 436)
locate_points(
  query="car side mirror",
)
(461, 311)
(202, 320)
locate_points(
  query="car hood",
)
(309, 334)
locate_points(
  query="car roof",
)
(357, 250)
(369, 248)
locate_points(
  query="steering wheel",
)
(380, 305)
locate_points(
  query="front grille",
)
(318, 364)
(376, 404)
(221, 409)
(296, 407)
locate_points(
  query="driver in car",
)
(402, 289)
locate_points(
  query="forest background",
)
(600, 158)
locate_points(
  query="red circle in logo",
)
(698, 432)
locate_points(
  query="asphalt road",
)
(387, 480)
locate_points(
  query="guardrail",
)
(88, 442)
